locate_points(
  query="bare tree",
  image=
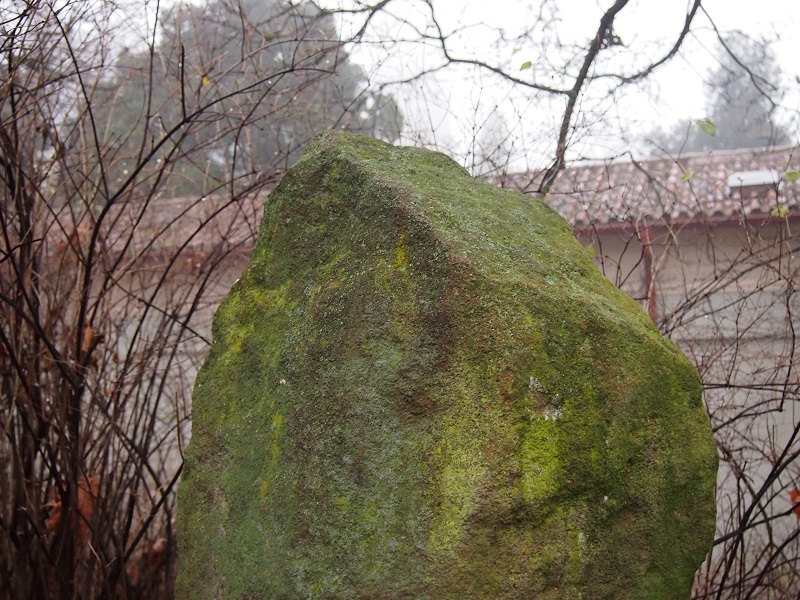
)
(571, 84)
(743, 99)
(107, 282)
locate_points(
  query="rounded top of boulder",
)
(502, 233)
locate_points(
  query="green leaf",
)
(707, 125)
(779, 211)
(591, 249)
(526, 65)
(688, 175)
(791, 176)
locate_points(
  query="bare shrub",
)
(108, 280)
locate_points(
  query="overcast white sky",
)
(777, 20)
(448, 103)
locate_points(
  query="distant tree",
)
(742, 98)
(277, 70)
(492, 147)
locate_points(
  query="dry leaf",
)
(133, 573)
(794, 494)
(157, 551)
(88, 490)
(53, 511)
(88, 338)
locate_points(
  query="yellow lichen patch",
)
(459, 482)
(400, 261)
(543, 477)
(275, 439)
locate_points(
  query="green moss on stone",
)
(421, 387)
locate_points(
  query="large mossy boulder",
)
(422, 387)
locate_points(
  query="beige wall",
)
(725, 294)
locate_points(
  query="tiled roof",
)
(693, 186)
(155, 230)
(204, 225)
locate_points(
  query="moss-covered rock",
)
(422, 387)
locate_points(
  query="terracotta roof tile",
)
(689, 187)
(158, 228)
(618, 191)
